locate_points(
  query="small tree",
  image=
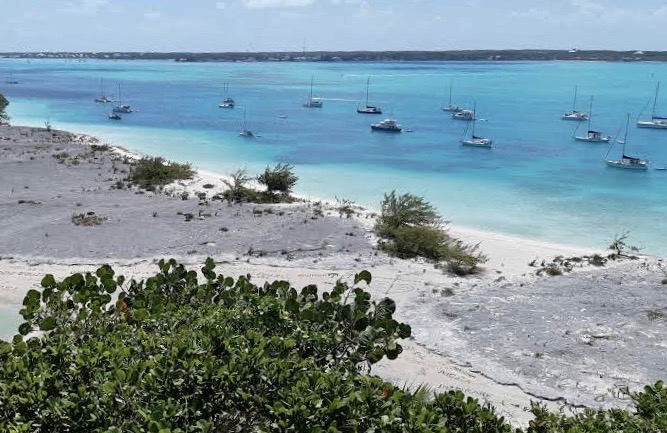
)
(407, 210)
(279, 179)
(237, 186)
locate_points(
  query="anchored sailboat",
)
(245, 132)
(368, 109)
(474, 140)
(592, 136)
(625, 161)
(575, 114)
(449, 107)
(103, 99)
(656, 122)
(312, 102)
(120, 108)
(227, 102)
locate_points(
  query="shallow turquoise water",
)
(537, 182)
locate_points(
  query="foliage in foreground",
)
(172, 354)
(411, 227)
(4, 118)
(149, 173)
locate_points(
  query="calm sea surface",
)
(536, 182)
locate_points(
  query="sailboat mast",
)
(368, 83)
(311, 88)
(574, 101)
(590, 113)
(474, 118)
(451, 83)
(625, 137)
(655, 99)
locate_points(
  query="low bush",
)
(411, 227)
(279, 179)
(152, 172)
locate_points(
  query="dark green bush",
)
(151, 172)
(279, 179)
(4, 118)
(411, 227)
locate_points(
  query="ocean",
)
(536, 182)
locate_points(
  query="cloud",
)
(82, 7)
(220, 6)
(262, 4)
(152, 15)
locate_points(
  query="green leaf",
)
(32, 298)
(25, 328)
(47, 324)
(363, 276)
(48, 281)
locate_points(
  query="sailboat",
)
(626, 162)
(592, 136)
(474, 140)
(656, 122)
(227, 102)
(368, 109)
(312, 102)
(103, 97)
(451, 108)
(575, 114)
(245, 132)
(10, 78)
(120, 108)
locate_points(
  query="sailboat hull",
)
(369, 110)
(626, 165)
(593, 139)
(477, 142)
(652, 125)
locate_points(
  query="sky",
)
(346, 25)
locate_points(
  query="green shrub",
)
(152, 172)
(4, 118)
(280, 179)
(411, 227)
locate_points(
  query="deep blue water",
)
(536, 182)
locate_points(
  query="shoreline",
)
(460, 324)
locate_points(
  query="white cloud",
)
(220, 6)
(152, 15)
(261, 4)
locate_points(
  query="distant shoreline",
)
(359, 56)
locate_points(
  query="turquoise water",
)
(536, 182)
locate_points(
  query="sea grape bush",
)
(177, 353)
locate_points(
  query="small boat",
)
(368, 109)
(592, 136)
(474, 140)
(656, 122)
(103, 99)
(10, 78)
(227, 102)
(625, 161)
(312, 102)
(576, 115)
(114, 116)
(245, 132)
(387, 125)
(466, 115)
(120, 108)
(449, 107)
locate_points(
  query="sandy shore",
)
(506, 336)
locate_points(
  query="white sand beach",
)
(506, 335)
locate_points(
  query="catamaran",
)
(387, 125)
(245, 132)
(449, 107)
(466, 115)
(656, 122)
(368, 109)
(227, 102)
(312, 102)
(592, 136)
(474, 140)
(625, 161)
(120, 108)
(579, 116)
(103, 99)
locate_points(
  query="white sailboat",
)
(474, 140)
(579, 116)
(312, 102)
(227, 102)
(245, 132)
(591, 135)
(120, 108)
(368, 109)
(656, 122)
(449, 107)
(625, 161)
(103, 99)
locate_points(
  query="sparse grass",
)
(88, 219)
(152, 172)
(344, 207)
(656, 315)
